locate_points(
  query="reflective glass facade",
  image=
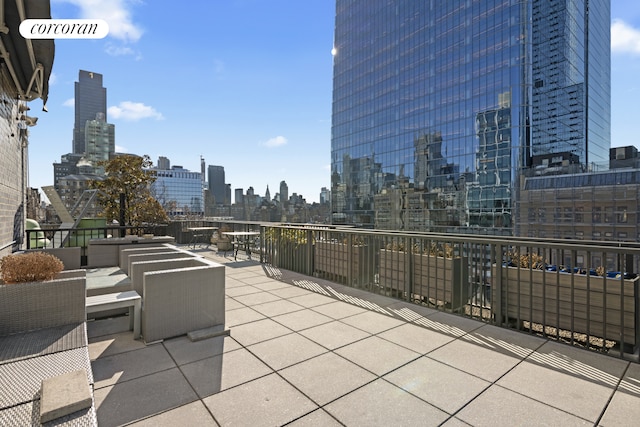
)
(179, 191)
(90, 99)
(437, 106)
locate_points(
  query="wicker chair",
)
(42, 335)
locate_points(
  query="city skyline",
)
(244, 84)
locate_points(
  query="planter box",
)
(36, 305)
(545, 297)
(436, 279)
(341, 262)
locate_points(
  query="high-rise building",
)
(284, 193)
(217, 186)
(90, 99)
(439, 106)
(99, 142)
(179, 191)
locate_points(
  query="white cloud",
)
(133, 111)
(114, 50)
(624, 38)
(117, 13)
(121, 149)
(276, 142)
(53, 79)
(71, 102)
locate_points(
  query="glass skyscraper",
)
(90, 100)
(440, 107)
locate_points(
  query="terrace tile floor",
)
(308, 352)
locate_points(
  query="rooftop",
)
(305, 351)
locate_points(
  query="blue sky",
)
(244, 83)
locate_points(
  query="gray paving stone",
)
(133, 364)
(372, 322)
(334, 334)
(312, 300)
(326, 377)
(241, 316)
(319, 417)
(257, 298)
(232, 304)
(290, 292)
(624, 408)
(287, 350)
(475, 359)
(383, 404)
(563, 383)
(214, 374)
(416, 338)
(275, 308)
(302, 319)
(139, 398)
(501, 407)
(184, 351)
(444, 387)
(338, 310)
(450, 324)
(258, 331)
(64, 394)
(108, 345)
(241, 290)
(195, 414)
(377, 355)
(267, 401)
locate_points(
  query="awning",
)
(29, 61)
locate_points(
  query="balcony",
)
(339, 341)
(307, 351)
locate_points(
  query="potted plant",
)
(35, 293)
(577, 299)
(431, 273)
(344, 260)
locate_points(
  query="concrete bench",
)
(129, 299)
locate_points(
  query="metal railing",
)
(584, 293)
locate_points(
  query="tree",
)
(129, 175)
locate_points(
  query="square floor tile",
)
(498, 406)
(107, 345)
(287, 350)
(110, 370)
(257, 298)
(372, 322)
(266, 401)
(184, 351)
(195, 414)
(416, 338)
(133, 400)
(338, 310)
(302, 319)
(241, 316)
(260, 330)
(335, 334)
(443, 386)
(326, 377)
(377, 355)
(275, 308)
(383, 404)
(214, 374)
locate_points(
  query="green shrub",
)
(30, 267)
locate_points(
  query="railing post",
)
(496, 293)
(349, 259)
(309, 257)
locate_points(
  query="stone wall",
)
(11, 167)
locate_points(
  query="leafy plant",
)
(129, 175)
(445, 250)
(30, 267)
